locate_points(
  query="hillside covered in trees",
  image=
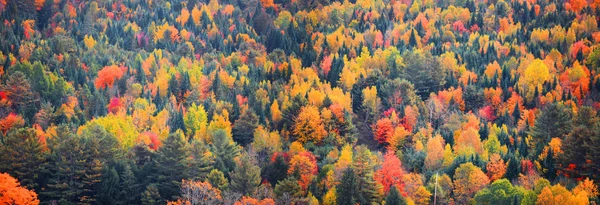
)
(299, 102)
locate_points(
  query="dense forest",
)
(299, 102)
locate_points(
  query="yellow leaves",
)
(265, 140)
(588, 186)
(534, 76)
(309, 125)
(196, 14)
(468, 180)
(275, 112)
(195, 121)
(121, 127)
(345, 159)
(540, 35)
(220, 122)
(283, 20)
(316, 97)
(213, 6)
(398, 138)
(89, 42)
(159, 32)
(370, 99)
(557, 194)
(467, 142)
(183, 17)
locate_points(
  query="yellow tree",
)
(468, 180)
(557, 194)
(370, 100)
(534, 77)
(275, 111)
(435, 153)
(309, 125)
(195, 121)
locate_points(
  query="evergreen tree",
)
(129, 187)
(394, 197)
(243, 129)
(347, 190)
(22, 157)
(553, 121)
(199, 163)
(151, 196)
(224, 150)
(109, 186)
(246, 177)
(170, 166)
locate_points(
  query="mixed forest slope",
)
(299, 102)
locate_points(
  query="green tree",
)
(246, 177)
(499, 192)
(424, 71)
(151, 196)
(171, 167)
(243, 128)
(554, 121)
(347, 190)
(23, 157)
(201, 161)
(217, 179)
(224, 150)
(394, 197)
(290, 186)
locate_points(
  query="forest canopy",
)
(299, 102)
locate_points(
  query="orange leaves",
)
(383, 130)
(575, 5)
(558, 194)
(267, 3)
(228, 9)
(576, 80)
(39, 4)
(150, 139)
(10, 121)
(467, 142)
(390, 173)
(305, 165)
(309, 125)
(71, 11)
(108, 75)
(468, 180)
(326, 64)
(184, 17)
(579, 46)
(496, 168)
(11, 192)
(435, 153)
(28, 26)
(588, 186)
(246, 200)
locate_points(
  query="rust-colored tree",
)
(11, 192)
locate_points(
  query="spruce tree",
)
(170, 166)
(394, 197)
(22, 156)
